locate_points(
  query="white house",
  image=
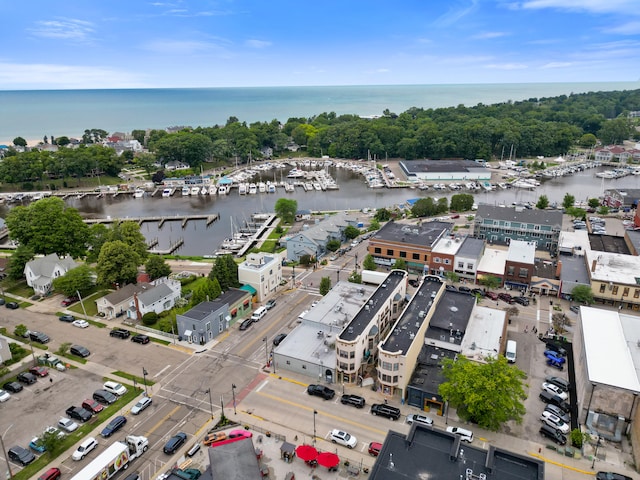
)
(41, 271)
(263, 272)
(134, 300)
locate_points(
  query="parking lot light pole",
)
(208, 390)
(266, 352)
(144, 378)
(315, 412)
(4, 451)
(233, 393)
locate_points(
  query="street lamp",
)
(315, 412)
(595, 453)
(233, 394)
(208, 390)
(4, 451)
(266, 351)
(144, 378)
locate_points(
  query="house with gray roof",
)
(500, 225)
(134, 300)
(41, 271)
(312, 240)
(119, 303)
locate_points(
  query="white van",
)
(259, 313)
(511, 351)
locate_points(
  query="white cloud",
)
(595, 6)
(488, 35)
(456, 13)
(181, 47)
(506, 66)
(558, 65)
(628, 28)
(257, 43)
(63, 29)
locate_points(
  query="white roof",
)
(605, 331)
(613, 267)
(573, 240)
(446, 246)
(521, 251)
(483, 332)
(493, 261)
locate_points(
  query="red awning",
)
(246, 302)
(234, 311)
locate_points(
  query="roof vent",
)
(454, 308)
(421, 314)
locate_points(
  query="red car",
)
(491, 295)
(374, 449)
(93, 406)
(51, 474)
(39, 371)
(68, 301)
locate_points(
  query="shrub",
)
(149, 318)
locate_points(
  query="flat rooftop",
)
(609, 244)
(450, 318)
(471, 247)
(576, 242)
(404, 332)
(634, 239)
(483, 335)
(430, 453)
(447, 246)
(380, 297)
(521, 251)
(493, 261)
(427, 376)
(426, 234)
(413, 167)
(545, 268)
(613, 267)
(234, 460)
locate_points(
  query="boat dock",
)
(160, 219)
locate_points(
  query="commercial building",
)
(445, 170)
(263, 272)
(614, 278)
(492, 264)
(443, 255)
(500, 225)
(411, 243)
(468, 257)
(520, 264)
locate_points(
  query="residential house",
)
(120, 303)
(520, 264)
(41, 271)
(263, 272)
(499, 225)
(467, 258)
(207, 320)
(162, 296)
(312, 240)
(621, 198)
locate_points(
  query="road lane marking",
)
(262, 385)
(164, 419)
(161, 371)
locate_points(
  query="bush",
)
(149, 318)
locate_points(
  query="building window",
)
(352, 366)
(447, 261)
(523, 272)
(426, 259)
(403, 254)
(511, 271)
(625, 292)
(602, 287)
(304, 367)
(208, 326)
(436, 259)
(386, 366)
(396, 367)
(469, 266)
(615, 290)
(377, 250)
(288, 362)
(389, 252)
(415, 256)
(395, 379)
(460, 264)
(636, 293)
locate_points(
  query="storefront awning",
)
(188, 333)
(234, 311)
(249, 289)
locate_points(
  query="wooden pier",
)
(160, 219)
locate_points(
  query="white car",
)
(67, 424)
(115, 388)
(554, 421)
(555, 390)
(54, 431)
(80, 323)
(465, 435)
(4, 395)
(419, 419)
(343, 438)
(141, 405)
(84, 448)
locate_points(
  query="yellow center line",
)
(328, 415)
(164, 419)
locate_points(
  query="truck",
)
(375, 278)
(115, 458)
(52, 361)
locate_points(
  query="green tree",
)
(351, 232)
(425, 207)
(63, 349)
(489, 394)
(51, 441)
(99, 233)
(490, 282)
(374, 225)
(20, 330)
(400, 264)
(543, 202)
(369, 263)
(79, 279)
(156, 267)
(286, 209)
(18, 261)
(588, 140)
(603, 210)
(129, 233)
(225, 270)
(206, 291)
(582, 294)
(49, 226)
(19, 142)
(325, 285)
(333, 245)
(382, 215)
(117, 264)
(593, 203)
(186, 147)
(568, 201)
(355, 277)
(576, 212)
(461, 202)
(453, 277)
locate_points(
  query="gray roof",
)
(126, 292)
(46, 265)
(227, 299)
(574, 270)
(534, 216)
(236, 460)
(154, 294)
(428, 233)
(427, 376)
(471, 247)
(427, 166)
(634, 238)
(451, 317)
(330, 226)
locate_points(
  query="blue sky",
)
(68, 44)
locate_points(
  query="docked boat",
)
(295, 173)
(271, 187)
(242, 188)
(289, 188)
(185, 191)
(317, 187)
(166, 192)
(223, 189)
(204, 191)
(253, 189)
(212, 190)
(262, 187)
(195, 190)
(138, 193)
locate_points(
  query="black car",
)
(27, 378)
(80, 351)
(119, 333)
(321, 391)
(246, 324)
(556, 347)
(113, 426)
(558, 412)
(464, 289)
(21, 455)
(78, 413)
(12, 305)
(104, 397)
(39, 337)
(279, 338)
(451, 288)
(414, 283)
(355, 400)
(140, 338)
(174, 443)
(13, 387)
(547, 397)
(524, 301)
(384, 410)
(611, 476)
(574, 308)
(553, 434)
(67, 318)
(559, 381)
(477, 291)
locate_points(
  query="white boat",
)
(223, 189)
(253, 189)
(166, 192)
(242, 189)
(195, 190)
(317, 186)
(295, 173)
(271, 188)
(204, 191)
(212, 190)
(289, 188)
(262, 187)
(138, 193)
(185, 191)
(502, 185)
(606, 174)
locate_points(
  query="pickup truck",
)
(78, 413)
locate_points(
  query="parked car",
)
(246, 323)
(67, 318)
(524, 301)
(104, 397)
(54, 431)
(505, 297)
(343, 438)
(39, 371)
(384, 410)
(38, 337)
(556, 347)
(491, 295)
(321, 391)
(36, 445)
(558, 412)
(354, 400)
(611, 476)
(477, 291)
(552, 362)
(140, 338)
(12, 306)
(554, 400)
(27, 378)
(374, 449)
(279, 338)
(68, 301)
(92, 406)
(85, 448)
(561, 382)
(174, 443)
(270, 304)
(464, 289)
(575, 309)
(450, 288)
(414, 283)
(553, 434)
(555, 422)
(4, 396)
(423, 419)
(115, 388)
(556, 390)
(113, 426)
(465, 435)
(80, 351)
(553, 355)
(13, 387)
(80, 323)
(119, 333)
(67, 424)
(21, 455)
(143, 403)
(211, 438)
(52, 474)
(78, 413)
